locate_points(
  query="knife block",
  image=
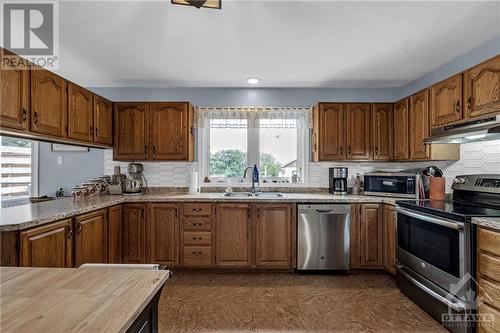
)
(437, 188)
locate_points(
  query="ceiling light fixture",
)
(253, 80)
(215, 4)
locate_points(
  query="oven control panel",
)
(487, 182)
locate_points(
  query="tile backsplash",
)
(477, 157)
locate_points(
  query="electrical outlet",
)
(59, 160)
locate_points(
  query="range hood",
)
(471, 131)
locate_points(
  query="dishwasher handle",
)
(324, 211)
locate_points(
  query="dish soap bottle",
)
(255, 175)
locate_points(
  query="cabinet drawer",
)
(489, 266)
(489, 241)
(489, 327)
(197, 238)
(197, 224)
(197, 209)
(490, 291)
(197, 256)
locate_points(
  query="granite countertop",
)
(25, 216)
(490, 222)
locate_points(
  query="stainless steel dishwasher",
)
(323, 237)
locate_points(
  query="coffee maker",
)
(338, 180)
(136, 184)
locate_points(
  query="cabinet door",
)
(103, 120)
(115, 232)
(134, 234)
(80, 113)
(49, 103)
(371, 235)
(273, 235)
(358, 131)
(131, 131)
(171, 131)
(48, 246)
(355, 237)
(163, 233)
(329, 132)
(382, 122)
(419, 125)
(233, 244)
(91, 240)
(446, 101)
(481, 89)
(401, 135)
(389, 236)
(15, 93)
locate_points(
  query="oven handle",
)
(459, 307)
(427, 218)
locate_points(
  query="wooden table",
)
(79, 300)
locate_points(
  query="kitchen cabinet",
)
(134, 233)
(91, 240)
(197, 235)
(233, 239)
(419, 125)
(371, 235)
(273, 235)
(131, 131)
(115, 230)
(382, 123)
(49, 104)
(446, 101)
(80, 113)
(15, 93)
(355, 237)
(481, 89)
(163, 240)
(328, 139)
(401, 136)
(171, 131)
(103, 120)
(389, 237)
(358, 126)
(488, 275)
(48, 246)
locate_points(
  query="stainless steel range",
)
(436, 248)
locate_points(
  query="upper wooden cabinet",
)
(328, 132)
(49, 104)
(80, 113)
(134, 233)
(382, 123)
(48, 246)
(154, 131)
(163, 234)
(446, 101)
(419, 125)
(15, 94)
(171, 131)
(401, 135)
(103, 120)
(482, 89)
(91, 240)
(131, 131)
(358, 126)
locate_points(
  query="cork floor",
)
(284, 302)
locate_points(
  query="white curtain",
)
(261, 117)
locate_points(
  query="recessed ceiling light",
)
(253, 80)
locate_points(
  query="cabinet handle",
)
(349, 150)
(196, 253)
(258, 213)
(145, 149)
(78, 228)
(175, 213)
(70, 232)
(96, 131)
(341, 151)
(457, 107)
(25, 114)
(35, 114)
(469, 102)
(197, 209)
(91, 129)
(249, 213)
(154, 149)
(196, 224)
(376, 150)
(197, 238)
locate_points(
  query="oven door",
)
(390, 185)
(434, 247)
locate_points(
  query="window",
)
(233, 138)
(19, 159)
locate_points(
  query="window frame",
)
(253, 157)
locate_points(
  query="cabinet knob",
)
(35, 115)
(469, 102)
(25, 114)
(457, 107)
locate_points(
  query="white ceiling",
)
(285, 43)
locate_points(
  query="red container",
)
(437, 188)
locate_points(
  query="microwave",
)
(392, 184)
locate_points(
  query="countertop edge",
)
(489, 222)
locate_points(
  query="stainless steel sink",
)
(270, 194)
(250, 194)
(238, 194)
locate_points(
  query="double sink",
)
(254, 194)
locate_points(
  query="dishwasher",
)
(323, 237)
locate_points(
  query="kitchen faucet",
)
(253, 190)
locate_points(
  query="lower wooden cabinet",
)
(134, 233)
(366, 248)
(163, 234)
(115, 231)
(389, 237)
(91, 238)
(48, 246)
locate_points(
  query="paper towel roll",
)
(193, 182)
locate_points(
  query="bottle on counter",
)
(255, 174)
(357, 185)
